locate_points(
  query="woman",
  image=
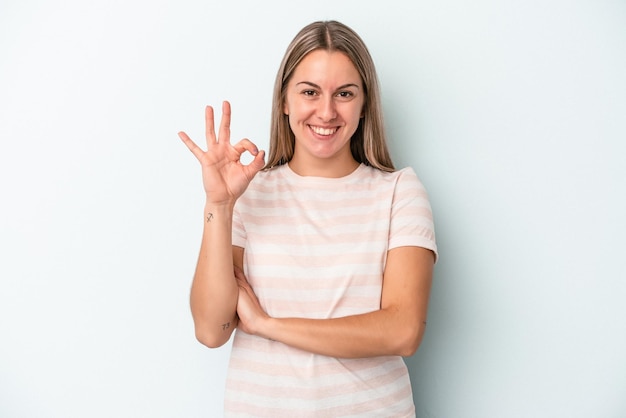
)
(333, 250)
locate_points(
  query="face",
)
(324, 101)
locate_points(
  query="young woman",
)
(323, 257)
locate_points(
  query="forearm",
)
(378, 333)
(214, 289)
(396, 328)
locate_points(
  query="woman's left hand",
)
(251, 314)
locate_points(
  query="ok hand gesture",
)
(224, 177)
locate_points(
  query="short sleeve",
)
(411, 214)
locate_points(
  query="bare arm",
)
(214, 290)
(396, 328)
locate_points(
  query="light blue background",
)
(513, 114)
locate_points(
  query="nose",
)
(326, 110)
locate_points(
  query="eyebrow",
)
(308, 83)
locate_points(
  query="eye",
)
(346, 94)
(309, 92)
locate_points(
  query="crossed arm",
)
(396, 328)
(222, 299)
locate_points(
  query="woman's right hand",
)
(224, 177)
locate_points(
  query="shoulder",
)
(408, 178)
(404, 177)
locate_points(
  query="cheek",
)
(357, 114)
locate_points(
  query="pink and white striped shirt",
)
(316, 248)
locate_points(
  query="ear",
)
(285, 108)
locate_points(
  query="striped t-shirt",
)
(316, 248)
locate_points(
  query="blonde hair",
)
(369, 142)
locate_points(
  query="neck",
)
(327, 167)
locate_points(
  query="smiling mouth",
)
(323, 131)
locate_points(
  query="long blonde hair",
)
(369, 142)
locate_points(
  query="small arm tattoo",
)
(225, 326)
(209, 216)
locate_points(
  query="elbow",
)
(406, 349)
(210, 340)
(408, 340)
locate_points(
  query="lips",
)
(323, 131)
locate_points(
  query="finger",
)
(246, 145)
(238, 278)
(196, 150)
(256, 164)
(209, 120)
(239, 274)
(244, 285)
(241, 282)
(224, 134)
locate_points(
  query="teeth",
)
(322, 131)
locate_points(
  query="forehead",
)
(324, 67)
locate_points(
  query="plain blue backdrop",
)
(511, 112)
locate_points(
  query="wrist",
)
(224, 206)
(218, 211)
(266, 326)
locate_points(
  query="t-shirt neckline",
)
(292, 175)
